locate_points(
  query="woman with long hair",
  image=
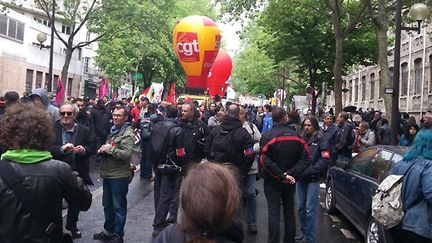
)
(416, 225)
(308, 182)
(209, 203)
(409, 134)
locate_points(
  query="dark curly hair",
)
(25, 126)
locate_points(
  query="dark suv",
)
(352, 183)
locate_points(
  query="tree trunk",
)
(382, 28)
(337, 68)
(65, 69)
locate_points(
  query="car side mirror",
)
(342, 162)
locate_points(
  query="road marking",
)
(97, 192)
(347, 234)
(334, 219)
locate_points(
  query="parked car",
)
(352, 183)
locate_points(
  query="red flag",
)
(60, 92)
(172, 95)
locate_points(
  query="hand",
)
(68, 147)
(79, 150)
(104, 148)
(288, 180)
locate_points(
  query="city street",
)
(138, 227)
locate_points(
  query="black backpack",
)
(220, 148)
(159, 142)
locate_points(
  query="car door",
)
(365, 185)
(356, 169)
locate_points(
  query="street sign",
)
(388, 90)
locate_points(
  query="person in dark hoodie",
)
(231, 143)
(100, 116)
(307, 186)
(26, 132)
(39, 97)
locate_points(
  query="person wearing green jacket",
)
(115, 172)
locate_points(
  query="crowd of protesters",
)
(240, 143)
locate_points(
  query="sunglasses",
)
(64, 113)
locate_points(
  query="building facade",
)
(362, 88)
(24, 63)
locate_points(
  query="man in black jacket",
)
(74, 143)
(346, 137)
(166, 151)
(236, 147)
(26, 132)
(284, 156)
(194, 132)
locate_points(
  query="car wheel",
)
(376, 233)
(329, 198)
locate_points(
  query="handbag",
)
(13, 181)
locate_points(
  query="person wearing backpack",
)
(249, 181)
(416, 224)
(166, 151)
(231, 143)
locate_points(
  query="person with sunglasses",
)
(73, 144)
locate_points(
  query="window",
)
(66, 29)
(404, 75)
(29, 80)
(361, 163)
(48, 83)
(11, 28)
(396, 158)
(38, 79)
(363, 80)
(430, 73)
(69, 87)
(86, 64)
(43, 21)
(417, 75)
(88, 36)
(380, 165)
(356, 90)
(372, 87)
(350, 85)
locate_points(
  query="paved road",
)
(141, 211)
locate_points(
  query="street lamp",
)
(41, 38)
(418, 12)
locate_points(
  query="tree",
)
(145, 45)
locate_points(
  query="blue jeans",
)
(250, 196)
(275, 192)
(145, 163)
(115, 204)
(307, 203)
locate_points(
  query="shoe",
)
(75, 233)
(171, 220)
(157, 230)
(103, 236)
(116, 239)
(299, 238)
(253, 228)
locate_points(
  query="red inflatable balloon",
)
(219, 74)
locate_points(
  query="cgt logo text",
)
(188, 48)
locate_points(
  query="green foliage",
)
(144, 39)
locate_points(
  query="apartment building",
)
(24, 63)
(362, 87)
